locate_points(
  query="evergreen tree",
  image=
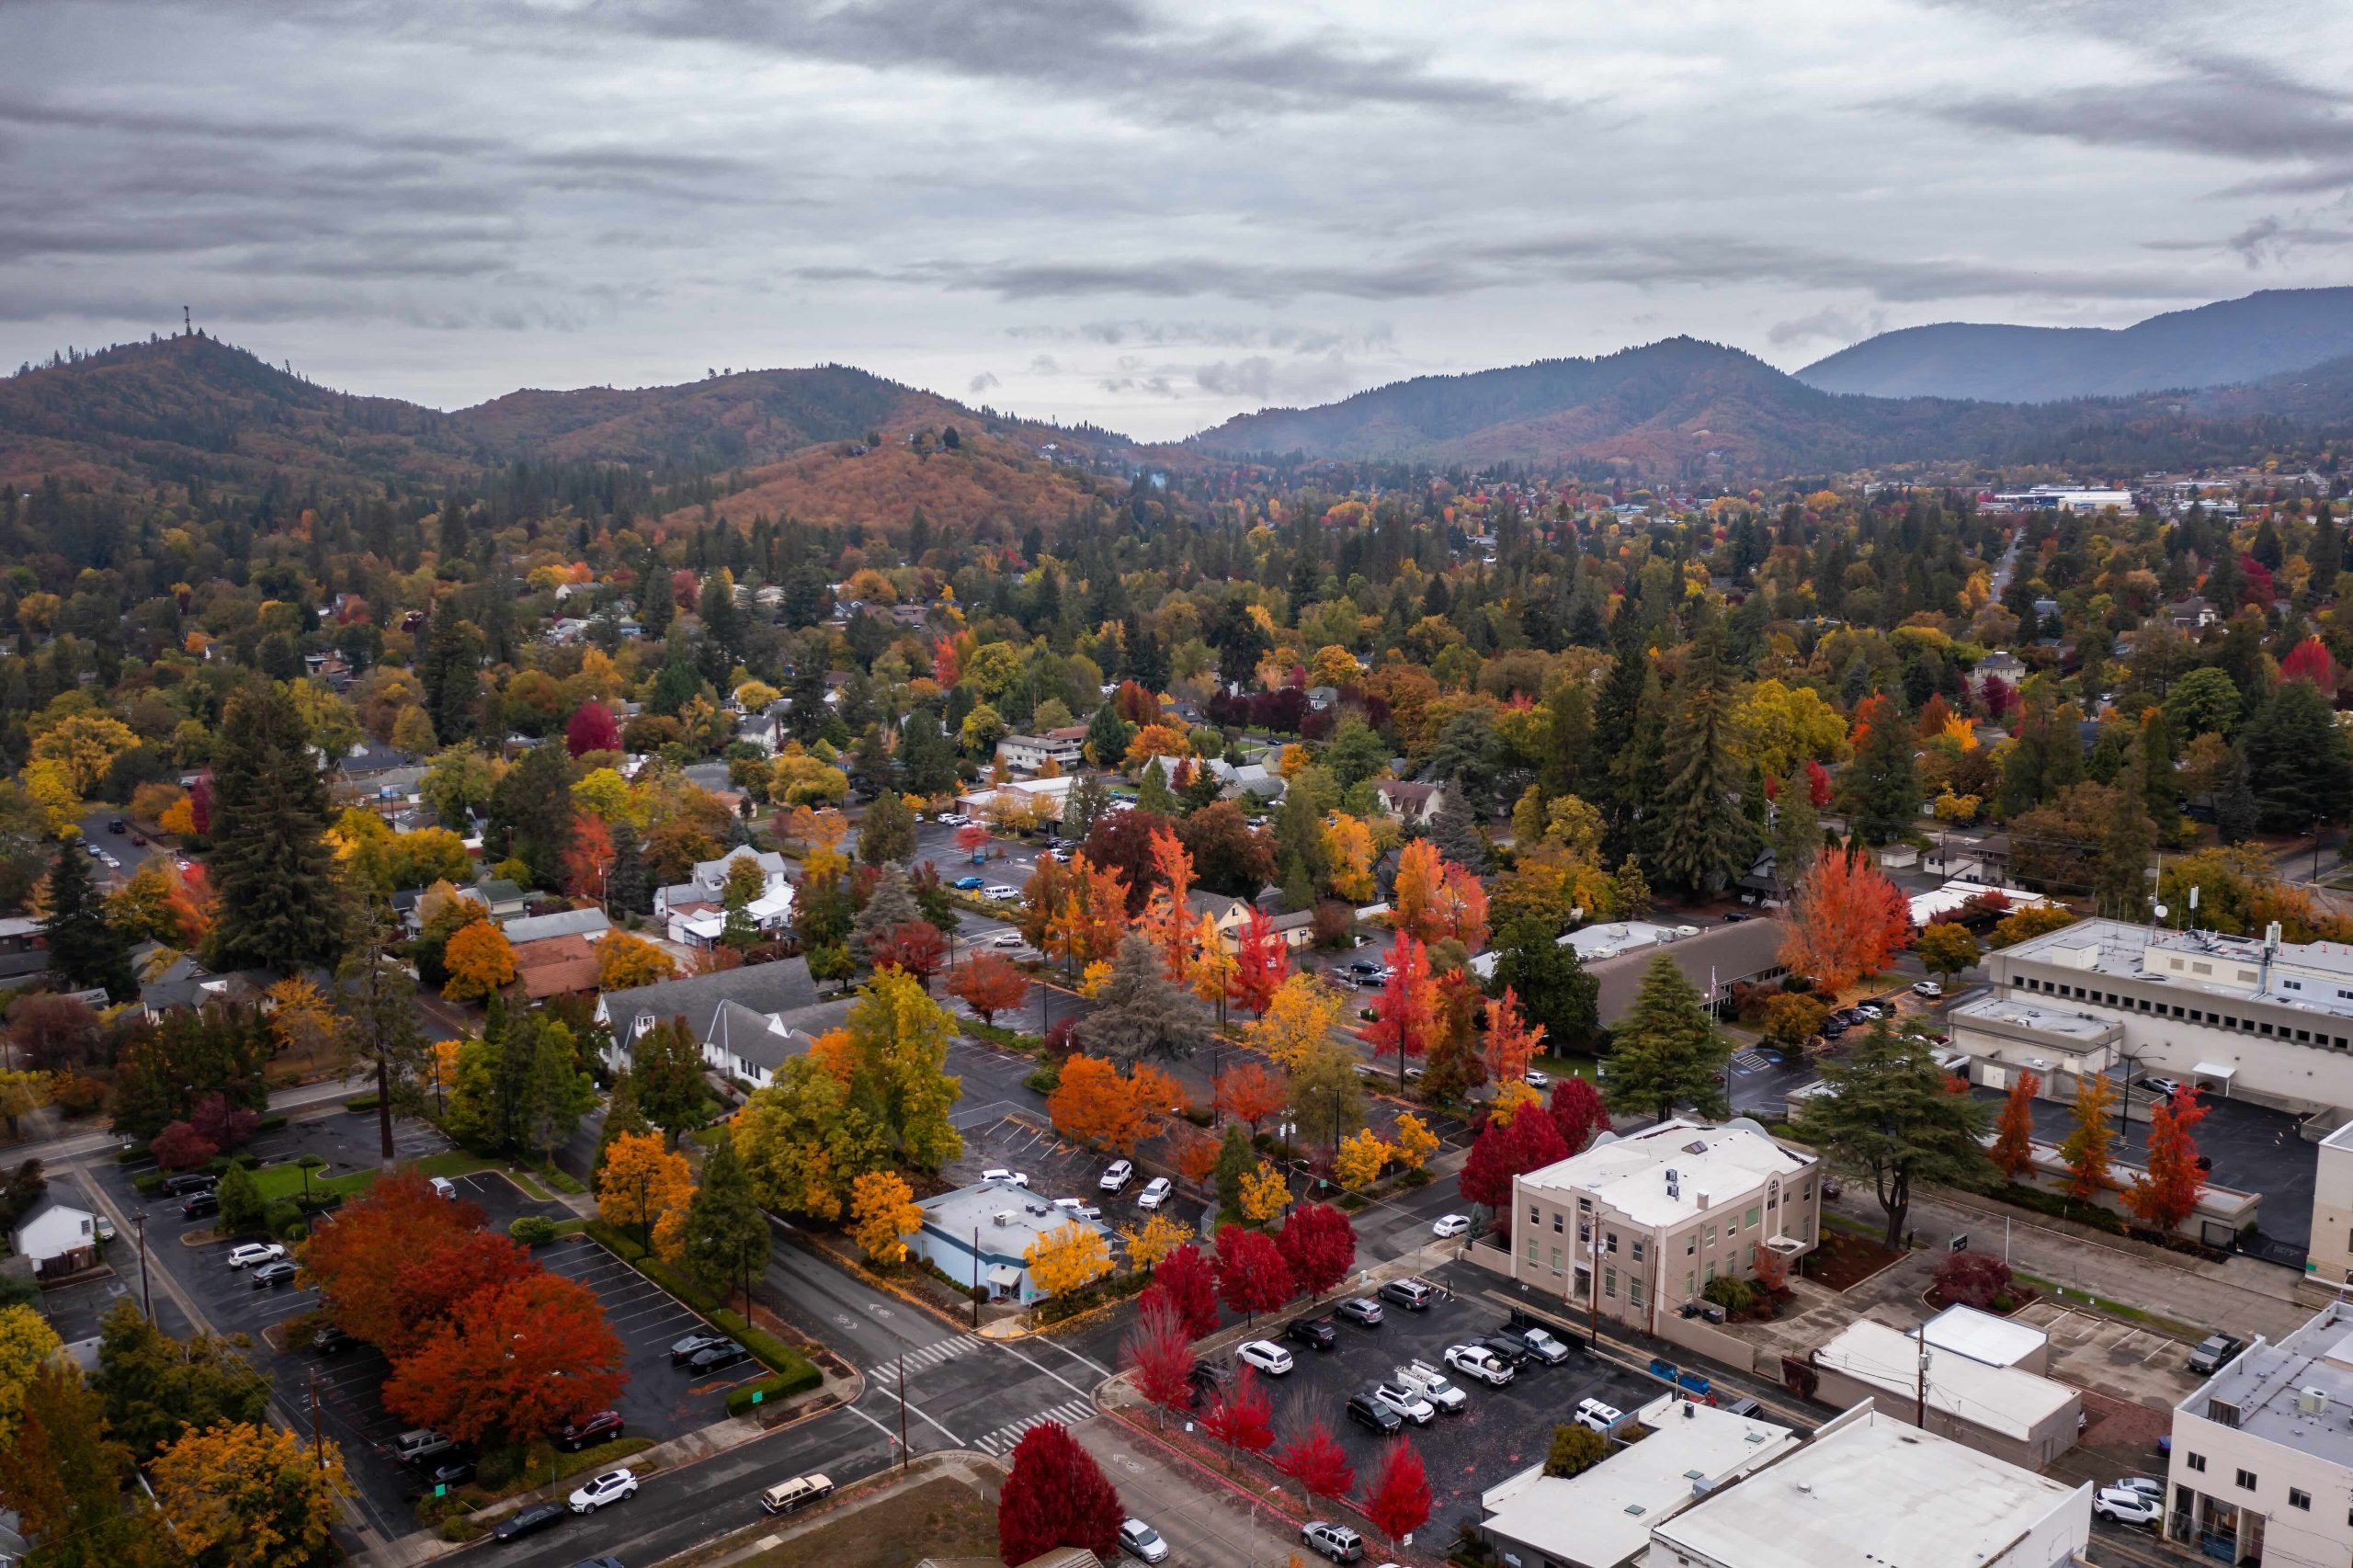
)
(85, 948)
(530, 812)
(450, 672)
(1152, 793)
(1550, 979)
(1702, 840)
(1083, 806)
(1108, 736)
(890, 905)
(626, 886)
(2235, 812)
(1891, 1119)
(887, 832)
(1883, 782)
(1797, 830)
(1666, 1051)
(270, 865)
(927, 754)
(2120, 882)
(1140, 1013)
(727, 1236)
(2297, 762)
(557, 1093)
(1456, 832)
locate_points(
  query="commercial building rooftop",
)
(2315, 977)
(1665, 1173)
(1982, 1337)
(1999, 1399)
(1605, 1516)
(2265, 1389)
(1871, 1492)
(1008, 1218)
(2081, 1027)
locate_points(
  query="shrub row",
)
(794, 1371)
(1112, 1288)
(367, 1101)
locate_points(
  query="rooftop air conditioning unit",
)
(2311, 1400)
(1004, 1217)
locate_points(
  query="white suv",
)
(1155, 1193)
(1121, 1173)
(1478, 1361)
(2124, 1505)
(1601, 1417)
(1404, 1402)
(610, 1487)
(1266, 1355)
(254, 1252)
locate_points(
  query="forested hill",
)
(181, 408)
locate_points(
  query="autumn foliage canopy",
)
(1846, 920)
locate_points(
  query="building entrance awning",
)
(1005, 1276)
(2221, 1073)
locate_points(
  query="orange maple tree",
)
(2013, 1149)
(1846, 920)
(479, 961)
(1094, 913)
(358, 1262)
(516, 1362)
(1248, 1092)
(1420, 874)
(2167, 1193)
(1511, 1038)
(587, 857)
(1095, 1101)
(431, 1287)
(990, 984)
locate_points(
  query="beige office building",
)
(1639, 1225)
(2263, 1453)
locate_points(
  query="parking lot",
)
(1500, 1431)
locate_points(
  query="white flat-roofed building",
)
(2001, 1037)
(1666, 1210)
(2001, 1411)
(2061, 498)
(1982, 1337)
(2329, 1255)
(981, 1235)
(1028, 753)
(2263, 1453)
(2256, 1017)
(1604, 1518)
(1871, 1491)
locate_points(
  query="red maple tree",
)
(1817, 784)
(972, 841)
(1159, 1353)
(1311, 1457)
(430, 1288)
(915, 945)
(358, 1261)
(990, 984)
(1844, 920)
(1260, 966)
(2013, 1149)
(1319, 1246)
(1511, 1038)
(1504, 1150)
(593, 728)
(1578, 1113)
(181, 1147)
(1397, 1498)
(1406, 1010)
(516, 1362)
(1242, 1416)
(2310, 660)
(1056, 1495)
(588, 857)
(2167, 1193)
(1252, 1277)
(1248, 1092)
(1190, 1285)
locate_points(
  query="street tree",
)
(1056, 1495)
(1666, 1051)
(1889, 1114)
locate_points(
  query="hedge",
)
(367, 1101)
(533, 1230)
(792, 1369)
(1070, 1303)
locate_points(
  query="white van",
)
(798, 1493)
(444, 1187)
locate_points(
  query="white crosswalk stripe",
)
(1070, 1413)
(927, 1355)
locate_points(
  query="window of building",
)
(1610, 1283)
(1712, 1273)
(2195, 1461)
(2246, 1481)
(1634, 1292)
(1752, 1258)
(1610, 1246)
(1750, 1218)
(1585, 1205)
(1556, 1260)
(1533, 1217)
(1691, 1243)
(1638, 1249)
(1557, 1218)
(2299, 1499)
(2291, 985)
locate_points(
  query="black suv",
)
(538, 1517)
(180, 1185)
(331, 1340)
(1509, 1346)
(1369, 1412)
(1209, 1381)
(202, 1206)
(712, 1358)
(1315, 1332)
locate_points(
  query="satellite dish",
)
(2162, 912)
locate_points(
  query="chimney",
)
(1703, 1200)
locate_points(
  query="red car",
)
(601, 1428)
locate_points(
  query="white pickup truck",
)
(1432, 1385)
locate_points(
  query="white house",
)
(1030, 753)
(57, 1236)
(709, 881)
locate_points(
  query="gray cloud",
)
(1830, 322)
(983, 382)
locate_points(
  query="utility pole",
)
(318, 1443)
(976, 1277)
(902, 1381)
(1920, 1388)
(146, 1295)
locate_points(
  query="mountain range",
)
(2261, 376)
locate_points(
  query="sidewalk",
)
(1205, 1524)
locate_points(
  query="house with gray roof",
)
(589, 923)
(749, 1021)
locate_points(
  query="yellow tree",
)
(256, 1496)
(883, 1212)
(1347, 848)
(22, 1092)
(479, 961)
(1212, 965)
(1155, 1239)
(643, 1183)
(1067, 1258)
(1298, 1020)
(84, 745)
(1359, 1161)
(299, 1019)
(1415, 1142)
(625, 961)
(51, 785)
(1264, 1193)
(25, 1341)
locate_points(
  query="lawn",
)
(943, 1518)
(458, 1164)
(1584, 1067)
(286, 1181)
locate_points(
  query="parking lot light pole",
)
(146, 1295)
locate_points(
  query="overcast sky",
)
(1148, 215)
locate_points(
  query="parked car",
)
(538, 1517)
(455, 1470)
(1405, 1403)
(331, 1341)
(254, 1252)
(204, 1206)
(1927, 988)
(419, 1443)
(611, 1486)
(270, 1274)
(2214, 1352)
(1833, 1027)
(1539, 1344)
(1509, 1347)
(1209, 1381)
(1432, 1385)
(1598, 1417)
(786, 1497)
(1316, 1334)
(1002, 894)
(2122, 1506)
(1140, 1541)
(692, 1343)
(1478, 1361)
(999, 1173)
(1450, 1225)
(189, 1182)
(969, 884)
(2147, 1486)
(117, 825)
(1078, 1209)
(1338, 1542)
(1360, 1310)
(1117, 1177)
(1009, 939)
(1412, 1295)
(1266, 1355)
(2164, 1088)
(1155, 1193)
(1536, 1080)
(601, 1428)
(1370, 1413)
(714, 1357)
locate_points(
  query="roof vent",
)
(1697, 1146)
